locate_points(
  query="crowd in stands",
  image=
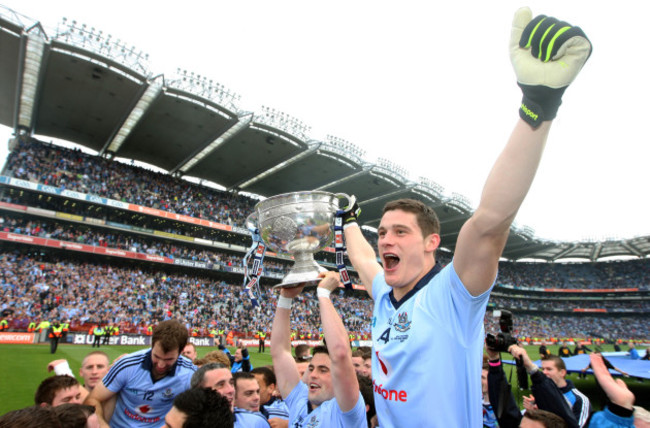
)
(568, 305)
(74, 170)
(614, 274)
(86, 293)
(584, 326)
(81, 234)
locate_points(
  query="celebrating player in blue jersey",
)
(424, 310)
(146, 382)
(331, 396)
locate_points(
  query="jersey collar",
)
(147, 364)
(420, 285)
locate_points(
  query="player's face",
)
(162, 361)
(266, 391)
(319, 380)
(238, 355)
(357, 362)
(70, 395)
(93, 369)
(174, 418)
(405, 254)
(366, 369)
(247, 395)
(190, 352)
(549, 369)
(221, 381)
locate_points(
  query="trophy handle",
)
(251, 222)
(351, 199)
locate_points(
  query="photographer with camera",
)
(546, 394)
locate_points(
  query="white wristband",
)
(63, 369)
(323, 292)
(285, 302)
(352, 223)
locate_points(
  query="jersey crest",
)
(403, 324)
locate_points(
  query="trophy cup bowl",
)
(298, 224)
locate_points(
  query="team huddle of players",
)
(420, 308)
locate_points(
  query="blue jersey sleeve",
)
(448, 299)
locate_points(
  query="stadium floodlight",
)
(95, 41)
(345, 148)
(136, 114)
(283, 121)
(396, 171)
(201, 86)
(31, 71)
(433, 187)
(242, 123)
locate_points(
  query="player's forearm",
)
(99, 409)
(510, 178)
(280, 333)
(334, 331)
(359, 250)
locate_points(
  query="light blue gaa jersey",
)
(327, 415)
(276, 408)
(427, 353)
(141, 402)
(246, 419)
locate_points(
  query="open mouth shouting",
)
(390, 261)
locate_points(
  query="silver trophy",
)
(298, 224)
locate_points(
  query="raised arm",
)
(284, 365)
(362, 255)
(547, 55)
(344, 378)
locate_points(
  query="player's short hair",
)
(90, 354)
(320, 349)
(559, 362)
(171, 335)
(197, 378)
(357, 353)
(50, 386)
(548, 419)
(425, 215)
(73, 415)
(33, 416)
(216, 356)
(242, 375)
(301, 353)
(267, 374)
(204, 408)
(189, 344)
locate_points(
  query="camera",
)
(504, 339)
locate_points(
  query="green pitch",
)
(23, 367)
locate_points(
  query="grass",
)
(23, 367)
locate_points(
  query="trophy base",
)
(297, 279)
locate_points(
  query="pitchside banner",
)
(129, 339)
(17, 338)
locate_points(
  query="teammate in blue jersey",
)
(424, 310)
(146, 382)
(331, 396)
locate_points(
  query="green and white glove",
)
(547, 55)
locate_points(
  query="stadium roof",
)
(79, 85)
